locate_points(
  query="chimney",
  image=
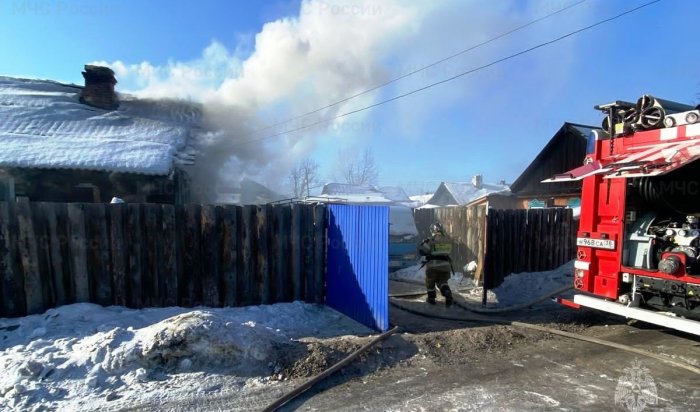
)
(99, 88)
(477, 180)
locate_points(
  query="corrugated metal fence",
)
(141, 255)
(507, 241)
(358, 261)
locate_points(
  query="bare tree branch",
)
(303, 178)
(362, 170)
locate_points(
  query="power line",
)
(476, 69)
(452, 56)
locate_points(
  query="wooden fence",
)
(530, 240)
(505, 241)
(466, 227)
(140, 255)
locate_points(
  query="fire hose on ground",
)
(506, 309)
(589, 339)
(321, 376)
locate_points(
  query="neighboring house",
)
(566, 150)
(420, 200)
(67, 143)
(464, 193)
(397, 195)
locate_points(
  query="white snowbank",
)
(523, 287)
(85, 357)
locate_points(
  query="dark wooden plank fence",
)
(504, 241)
(531, 240)
(151, 255)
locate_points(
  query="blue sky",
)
(276, 59)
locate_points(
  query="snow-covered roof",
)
(461, 193)
(395, 193)
(387, 195)
(400, 214)
(43, 125)
(420, 200)
(354, 193)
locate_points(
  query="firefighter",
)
(436, 248)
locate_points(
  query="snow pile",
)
(79, 355)
(523, 287)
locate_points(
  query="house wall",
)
(555, 201)
(48, 185)
(497, 201)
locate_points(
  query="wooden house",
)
(465, 193)
(564, 151)
(67, 143)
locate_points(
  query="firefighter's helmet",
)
(436, 228)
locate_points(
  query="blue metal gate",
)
(357, 282)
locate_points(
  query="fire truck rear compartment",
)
(662, 241)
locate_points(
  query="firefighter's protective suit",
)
(436, 248)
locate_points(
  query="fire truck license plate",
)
(596, 243)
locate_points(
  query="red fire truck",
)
(638, 243)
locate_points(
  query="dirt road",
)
(438, 365)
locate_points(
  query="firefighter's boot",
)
(447, 293)
(431, 297)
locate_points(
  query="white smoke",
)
(332, 49)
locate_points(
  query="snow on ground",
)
(516, 288)
(416, 274)
(523, 287)
(86, 357)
